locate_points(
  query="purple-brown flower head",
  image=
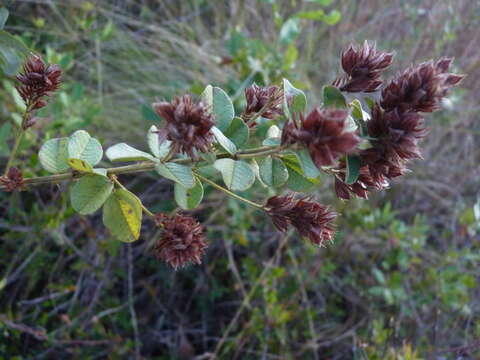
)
(323, 133)
(182, 240)
(382, 168)
(268, 99)
(396, 133)
(13, 180)
(361, 187)
(364, 67)
(420, 88)
(37, 81)
(188, 125)
(311, 219)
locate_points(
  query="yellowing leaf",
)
(122, 215)
(129, 214)
(80, 165)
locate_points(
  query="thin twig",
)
(18, 139)
(226, 191)
(145, 166)
(131, 304)
(247, 299)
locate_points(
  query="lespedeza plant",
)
(362, 144)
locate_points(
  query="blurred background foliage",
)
(398, 283)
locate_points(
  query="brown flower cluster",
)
(38, 81)
(269, 99)
(311, 219)
(182, 240)
(420, 88)
(360, 188)
(188, 125)
(323, 133)
(12, 180)
(396, 126)
(364, 68)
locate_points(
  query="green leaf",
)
(357, 110)
(237, 175)
(321, 2)
(273, 172)
(207, 96)
(12, 53)
(294, 100)
(256, 171)
(332, 18)
(209, 157)
(188, 199)
(289, 31)
(221, 106)
(272, 141)
(208, 171)
(9, 41)
(370, 102)
(274, 132)
(353, 169)
(297, 181)
(80, 165)
(238, 132)
(224, 142)
(359, 116)
(311, 15)
(89, 193)
(308, 167)
(290, 57)
(124, 152)
(180, 174)
(333, 97)
(53, 155)
(82, 146)
(100, 171)
(350, 124)
(10, 60)
(273, 136)
(157, 149)
(3, 17)
(122, 215)
(149, 114)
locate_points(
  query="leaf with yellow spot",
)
(132, 221)
(122, 215)
(80, 165)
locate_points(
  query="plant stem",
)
(150, 165)
(262, 153)
(18, 140)
(228, 192)
(14, 151)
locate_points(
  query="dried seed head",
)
(188, 125)
(420, 88)
(382, 168)
(396, 134)
(361, 187)
(364, 67)
(323, 133)
(37, 81)
(182, 240)
(311, 219)
(13, 180)
(259, 97)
